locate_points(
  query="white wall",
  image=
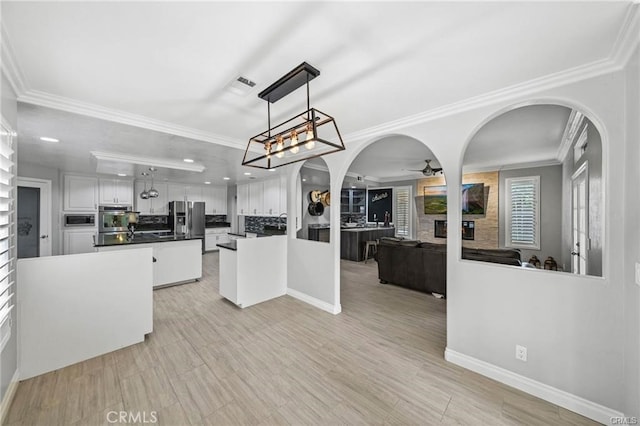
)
(632, 242)
(572, 326)
(76, 307)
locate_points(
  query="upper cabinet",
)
(116, 192)
(215, 198)
(176, 192)
(264, 198)
(157, 206)
(243, 199)
(80, 193)
(194, 193)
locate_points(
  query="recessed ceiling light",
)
(226, 178)
(247, 173)
(304, 180)
(353, 187)
(188, 160)
(122, 174)
(207, 183)
(272, 170)
(48, 139)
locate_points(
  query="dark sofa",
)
(423, 266)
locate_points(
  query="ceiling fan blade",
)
(436, 170)
(414, 170)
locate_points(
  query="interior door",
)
(34, 217)
(579, 219)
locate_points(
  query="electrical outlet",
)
(521, 353)
(638, 273)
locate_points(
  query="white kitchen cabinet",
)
(215, 198)
(78, 241)
(194, 193)
(176, 192)
(256, 198)
(271, 201)
(215, 236)
(116, 192)
(151, 206)
(80, 193)
(243, 199)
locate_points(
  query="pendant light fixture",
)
(153, 193)
(298, 138)
(145, 194)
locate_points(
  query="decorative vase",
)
(535, 261)
(550, 264)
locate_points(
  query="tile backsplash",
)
(257, 223)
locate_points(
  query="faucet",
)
(280, 217)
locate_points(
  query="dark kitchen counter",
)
(231, 245)
(217, 225)
(105, 240)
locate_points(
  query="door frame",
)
(45, 209)
(582, 171)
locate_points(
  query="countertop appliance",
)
(187, 218)
(113, 218)
(79, 220)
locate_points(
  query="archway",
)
(533, 190)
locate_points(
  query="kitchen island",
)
(253, 270)
(352, 240)
(177, 259)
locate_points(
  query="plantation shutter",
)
(7, 239)
(402, 214)
(523, 212)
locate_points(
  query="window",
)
(402, 215)
(522, 213)
(7, 239)
(580, 146)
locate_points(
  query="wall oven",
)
(113, 218)
(79, 220)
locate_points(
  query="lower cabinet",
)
(76, 241)
(215, 236)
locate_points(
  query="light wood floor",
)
(284, 362)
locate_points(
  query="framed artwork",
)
(435, 199)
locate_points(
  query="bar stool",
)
(367, 246)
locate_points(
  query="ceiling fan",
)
(428, 170)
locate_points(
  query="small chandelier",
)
(298, 138)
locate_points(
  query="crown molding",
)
(36, 97)
(9, 65)
(515, 166)
(147, 161)
(628, 36)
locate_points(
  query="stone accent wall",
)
(486, 226)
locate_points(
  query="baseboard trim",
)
(328, 307)
(8, 397)
(556, 396)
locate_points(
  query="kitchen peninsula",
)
(352, 240)
(176, 259)
(253, 270)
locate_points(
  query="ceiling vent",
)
(241, 86)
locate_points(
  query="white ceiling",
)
(167, 64)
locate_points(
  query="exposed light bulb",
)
(279, 146)
(310, 144)
(267, 146)
(294, 142)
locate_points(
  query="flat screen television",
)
(472, 198)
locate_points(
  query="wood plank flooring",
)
(284, 362)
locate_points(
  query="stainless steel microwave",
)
(79, 220)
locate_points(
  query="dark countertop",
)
(105, 240)
(244, 235)
(371, 228)
(217, 225)
(231, 245)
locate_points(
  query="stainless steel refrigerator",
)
(187, 218)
